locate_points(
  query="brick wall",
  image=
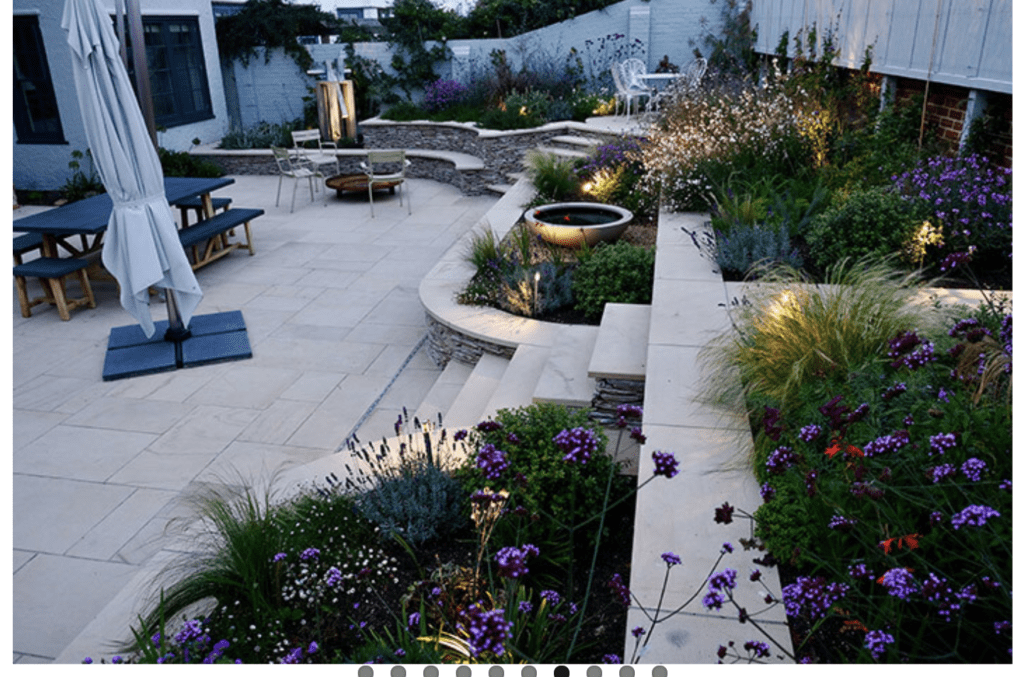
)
(946, 111)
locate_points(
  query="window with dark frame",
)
(177, 70)
(36, 116)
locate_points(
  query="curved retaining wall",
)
(501, 151)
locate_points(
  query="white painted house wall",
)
(967, 43)
(45, 166)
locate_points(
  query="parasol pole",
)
(141, 68)
(176, 329)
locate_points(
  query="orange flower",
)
(909, 539)
(854, 625)
(838, 446)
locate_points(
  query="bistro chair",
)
(629, 84)
(294, 167)
(386, 167)
(315, 150)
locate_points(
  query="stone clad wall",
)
(501, 152)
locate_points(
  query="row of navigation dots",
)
(511, 671)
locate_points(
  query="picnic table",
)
(88, 218)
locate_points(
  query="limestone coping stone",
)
(461, 161)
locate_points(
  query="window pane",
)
(177, 71)
(36, 116)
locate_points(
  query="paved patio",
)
(333, 316)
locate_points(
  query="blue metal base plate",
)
(219, 337)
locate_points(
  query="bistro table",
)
(88, 218)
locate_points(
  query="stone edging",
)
(466, 173)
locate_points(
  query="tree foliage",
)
(270, 24)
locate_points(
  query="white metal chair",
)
(315, 150)
(633, 86)
(386, 167)
(295, 167)
(688, 81)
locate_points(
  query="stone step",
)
(499, 188)
(565, 153)
(442, 394)
(519, 380)
(565, 379)
(468, 408)
(584, 143)
(620, 351)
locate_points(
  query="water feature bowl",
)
(570, 224)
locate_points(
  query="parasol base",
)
(220, 337)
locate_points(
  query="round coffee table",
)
(357, 183)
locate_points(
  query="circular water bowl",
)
(570, 224)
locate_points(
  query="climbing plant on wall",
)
(273, 23)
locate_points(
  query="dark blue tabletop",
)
(90, 216)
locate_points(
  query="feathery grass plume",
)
(791, 332)
(235, 539)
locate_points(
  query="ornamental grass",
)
(788, 332)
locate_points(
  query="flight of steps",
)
(568, 373)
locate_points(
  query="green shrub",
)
(419, 503)
(261, 135)
(538, 477)
(615, 273)
(180, 163)
(876, 221)
(405, 111)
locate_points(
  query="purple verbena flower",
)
(972, 469)
(671, 559)
(665, 463)
(974, 516)
(577, 444)
(876, 641)
(512, 561)
(491, 461)
(815, 596)
(899, 582)
(487, 630)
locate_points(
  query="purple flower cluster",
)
(551, 597)
(625, 151)
(941, 472)
(512, 561)
(894, 390)
(941, 442)
(971, 197)
(876, 642)
(939, 592)
(665, 463)
(718, 583)
(671, 558)
(491, 461)
(620, 589)
(812, 595)
(770, 422)
(908, 350)
(973, 516)
(899, 582)
(578, 444)
(781, 459)
(443, 94)
(487, 630)
(886, 444)
(810, 432)
(972, 469)
(841, 523)
(759, 649)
